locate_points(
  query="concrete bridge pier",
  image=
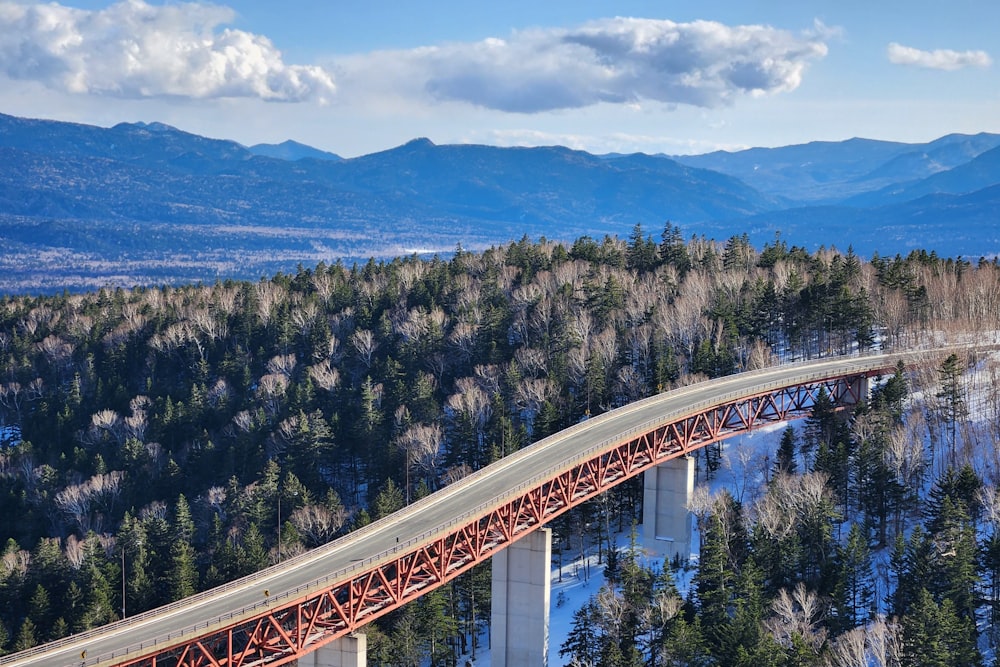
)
(865, 388)
(519, 626)
(349, 651)
(666, 521)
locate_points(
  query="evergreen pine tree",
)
(990, 559)
(26, 636)
(952, 396)
(785, 462)
(912, 561)
(935, 636)
(855, 589)
(388, 500)
(40, 611)
(673, 251)
(684, 645)
(820, 426)
(74, 607)
(183, 526)
(253, 555)
(436, 627)
(583, 642)
(60, 628)
(892, 393)
(98, 597)
(875, 486)
(183, 575)
(955, 560)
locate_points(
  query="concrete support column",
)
(350, 651)
(666, 521)
(519, 626)
(865, 389)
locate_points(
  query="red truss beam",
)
(289, 632)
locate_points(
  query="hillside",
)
(160, 430)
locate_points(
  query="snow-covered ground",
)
(747, 460)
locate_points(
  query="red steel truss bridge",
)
(281, 613)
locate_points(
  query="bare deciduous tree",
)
(529, 395)
(421, 444)
(283, 364)
(270, 390)
(106, 424)
(885, 643)
(797, 613)
(455, 473)
(364, 343)
(612, 609)
(317, 523)
(80, 502)
(243, 421)
(472, 402)
(324, 375)
(219, 394)
(15, 563)
(57, 352)
(463, 337)
(76, 551)
(269, 296)
(789, 500)
(215, 499)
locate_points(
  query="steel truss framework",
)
(301, 626)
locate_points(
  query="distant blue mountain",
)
(292, 151)
(966, 225)
(830, 172)
(980, 172)
(939, 155)
(168, 205)
(149, 203)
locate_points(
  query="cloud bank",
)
(943, 59)
(135, 50)
(617, 61)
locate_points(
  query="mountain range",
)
(146, 203)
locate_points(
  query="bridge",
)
(323, 597)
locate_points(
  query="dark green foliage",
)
(27, 636)
(785, 459)
(935, 636)
(673, 251)
(642, 255)
(953, 406)
(583, 643)
(388, 500)
(854, 593)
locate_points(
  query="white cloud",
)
(135, 50)
(617, 61)
(944, 59)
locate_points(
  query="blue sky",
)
(356, 77)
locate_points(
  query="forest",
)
(159, 441)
